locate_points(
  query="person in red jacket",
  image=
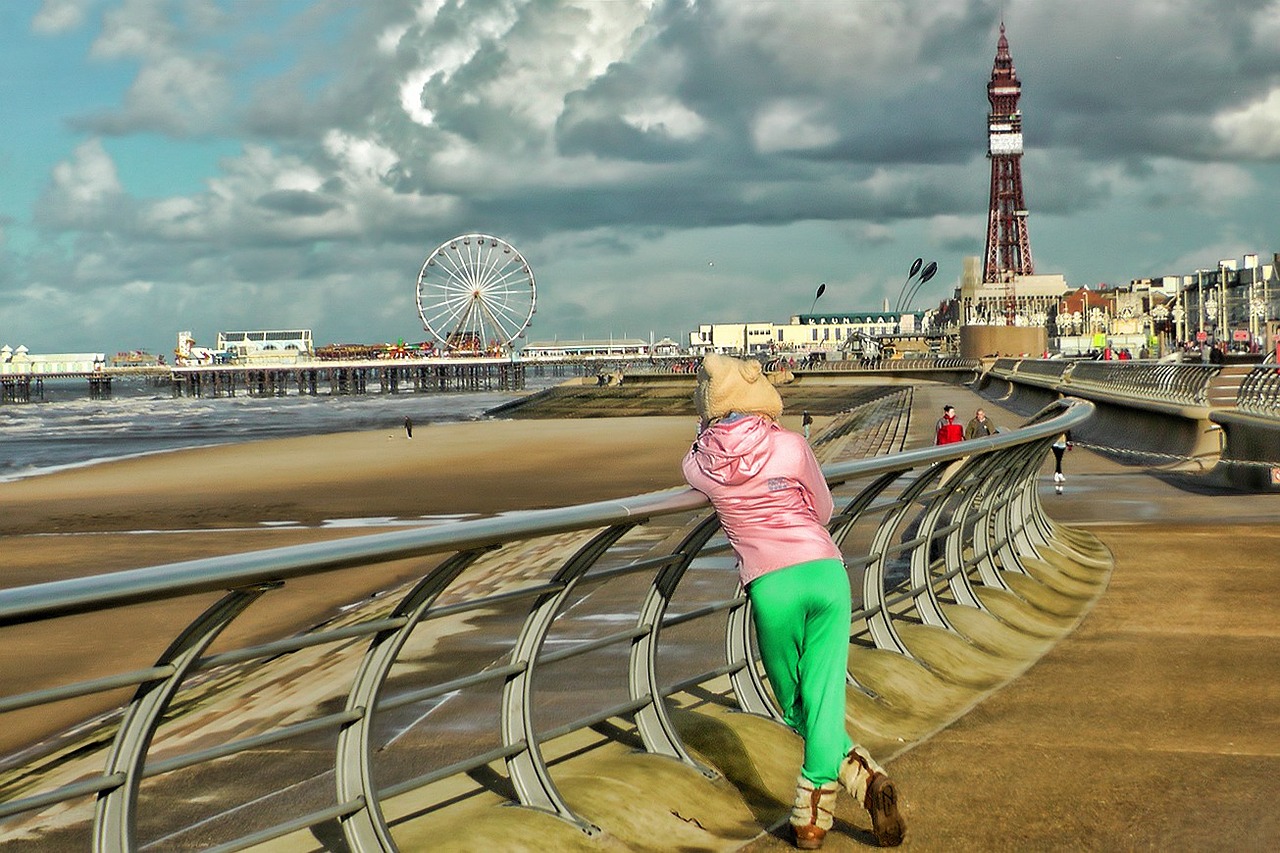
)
(949, 429)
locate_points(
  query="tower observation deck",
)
(1008, 248)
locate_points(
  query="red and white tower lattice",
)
(1008, 249)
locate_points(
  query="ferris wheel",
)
(476, 294)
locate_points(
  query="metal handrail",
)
(1259, 392)
(926, 363)
(1177, 384)
(977, 498)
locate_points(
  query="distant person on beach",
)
(948, 429)
(408, 426)
(774, 505)
(806, 421)
(980, 426)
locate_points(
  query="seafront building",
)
(602, 347)
(272, 343)
(985, 303)
(846, 332)
(21, 361)
(1234, 306)
(1237, 305)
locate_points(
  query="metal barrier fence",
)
(883, 364)
(1259, 392)
(1179, 384)
(920, 527)
(1186, 384)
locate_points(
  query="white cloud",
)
(1221, 185)
(667, 117)
(367, 159)
(84, 189)
(792, 126)
(135, 29)
(411, 97)
(178, 95)
(949, 229)
(59, 16)
(180, 88)
(873, 232)
(1252, 131)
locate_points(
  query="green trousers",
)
(802, 617)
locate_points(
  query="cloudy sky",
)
(250, 164)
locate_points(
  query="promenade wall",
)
(1171, 415)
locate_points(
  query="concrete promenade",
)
(1155, 725)
(1130, 704)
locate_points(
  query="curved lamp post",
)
(927, 273)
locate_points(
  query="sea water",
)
(68, 429)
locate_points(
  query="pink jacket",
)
(768, 490)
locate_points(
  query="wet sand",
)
(458, 468)
(234, 498)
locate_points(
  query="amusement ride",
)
(476, 295)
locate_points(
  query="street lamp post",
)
(1199, 300)
(1159, 316)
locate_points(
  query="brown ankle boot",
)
(882, 802)
(813, 812)
(867, 782)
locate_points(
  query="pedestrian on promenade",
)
(774, 505)
(980, 426)
(948, 429)
(408, 426)
(806, 421)
(1060, 447)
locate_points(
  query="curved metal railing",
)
(883, 364)
(920, 527)
(1185, 384)
(1177, 384)
(1259, 392)
(1054, 368)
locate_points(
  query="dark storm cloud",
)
(296, 202)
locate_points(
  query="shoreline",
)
(32, 473)
(232, 498)
(475, 467)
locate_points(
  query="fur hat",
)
(731, 385)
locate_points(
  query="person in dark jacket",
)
(980, 427)
(1060, 447)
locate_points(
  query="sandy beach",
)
(234, 498)
(445, 469)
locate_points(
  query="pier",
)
(350, 377)
(325, 377)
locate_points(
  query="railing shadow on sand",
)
(520, 631)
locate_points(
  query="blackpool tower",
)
(1008, 249)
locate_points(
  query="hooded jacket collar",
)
(735, 448)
